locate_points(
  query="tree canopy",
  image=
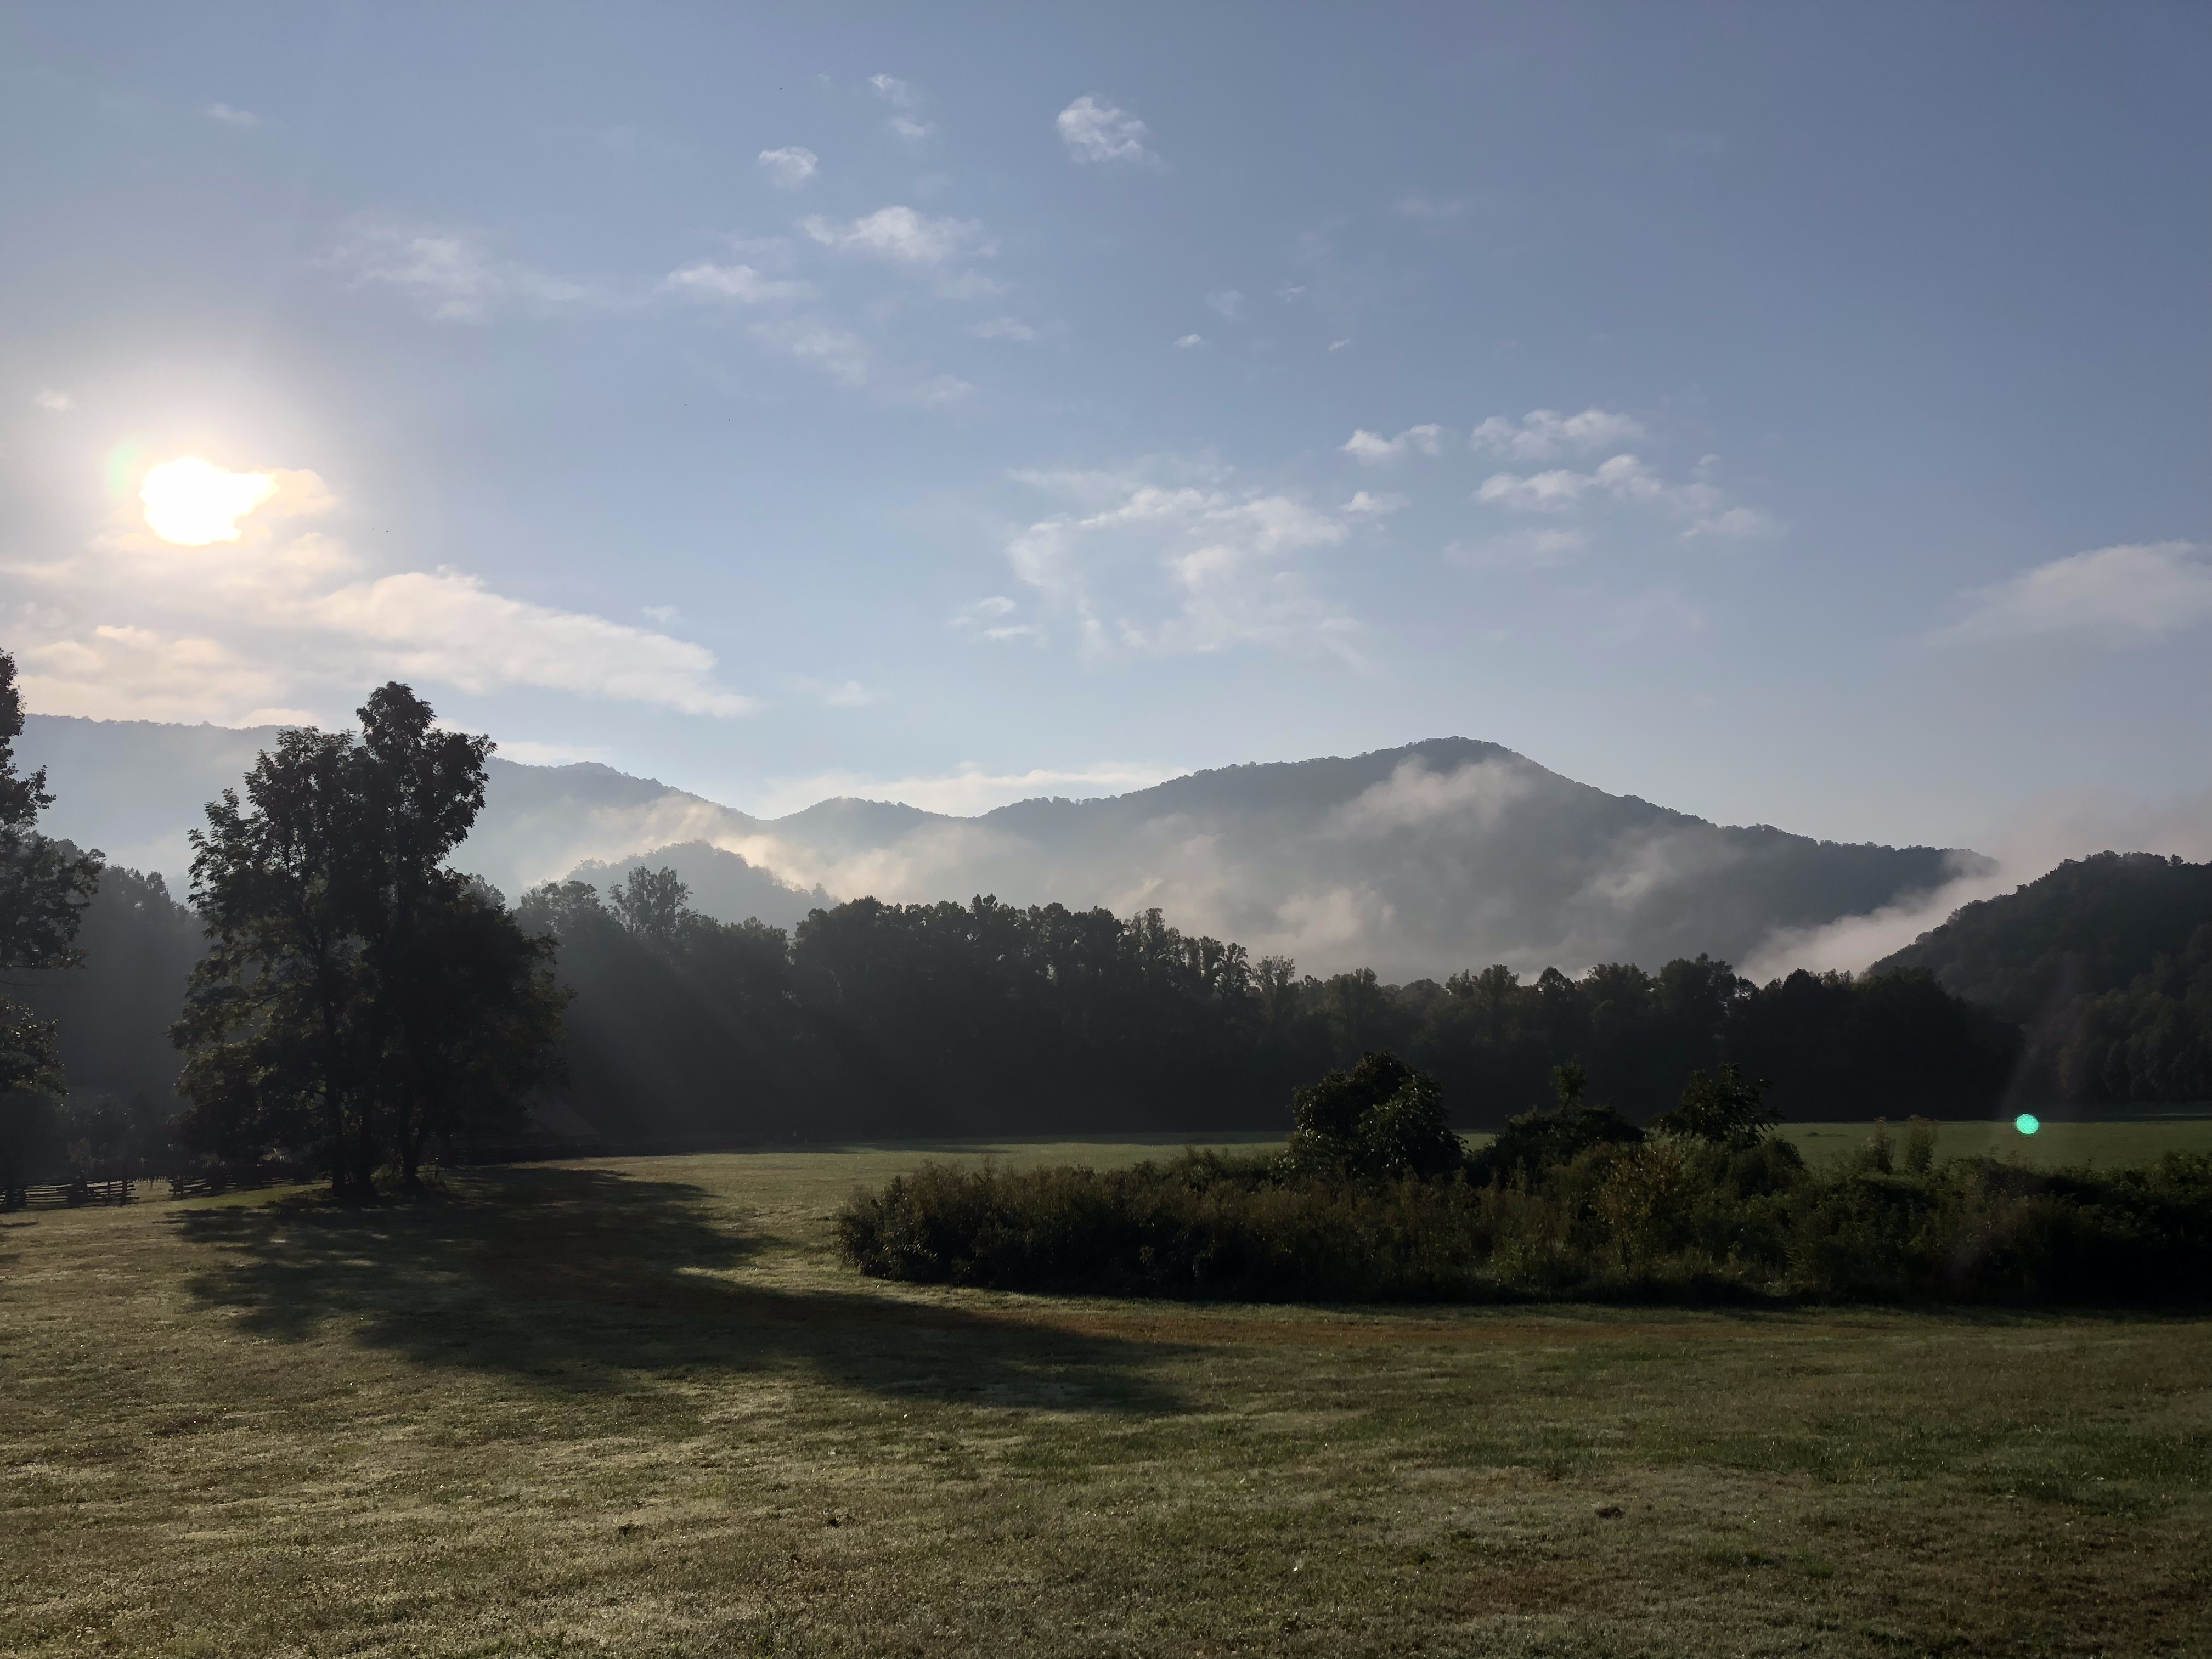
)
(359, 999)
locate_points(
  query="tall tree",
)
(361, 998)
(274, 1028)
(44, 886)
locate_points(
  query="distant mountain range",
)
(1415, 861)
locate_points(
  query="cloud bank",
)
(219, 600)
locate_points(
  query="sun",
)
(193, 503)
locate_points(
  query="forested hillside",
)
(2107, 963)
(883, 1019)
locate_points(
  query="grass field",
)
(634, 1406)
(2106, 1145)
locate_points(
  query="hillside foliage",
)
(2106, 963)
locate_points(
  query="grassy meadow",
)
(635, 1406)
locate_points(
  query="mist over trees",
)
(885, 1019)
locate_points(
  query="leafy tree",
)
(1409, 1134)
(359, 999)
(279, 1049)
(44, 886)
(654, 905)
(1380, 1118)
(480, 1021)
(1727, 1107)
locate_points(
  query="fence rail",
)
(67, 1194)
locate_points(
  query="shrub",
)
(1676, 1217)
(1380, 1118)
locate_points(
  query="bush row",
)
(1673, 1216)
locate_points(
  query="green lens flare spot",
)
(2027, 1123)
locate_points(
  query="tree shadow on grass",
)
(588, 1279)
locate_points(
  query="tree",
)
(654, 905)
(480, 1026)
(273, 1028)
(360, 1000)
(1380, 1118)
(1728, 1108)
(44, 886)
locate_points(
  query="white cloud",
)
(1180, 569)
(1373, 448)
(527, 751)
(900, 96)
(2134, 591)
(1540, 492)
(740, 282)
(790, 167)
(1705, 509)
(841, 355)
(264, 613)
(1100, 133)
(990, 618)
(1189, 340)
(1366, 503)
(230, 118)
(448, 627)
(1732, 521)
(59, 402)
(904, 236)
(1226, 302)
(1003, 328)
(1542, 434)
(447, 272)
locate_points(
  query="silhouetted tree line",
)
(875, 1018)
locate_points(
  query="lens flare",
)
(192, 502)
(2027, 1123)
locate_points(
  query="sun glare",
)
(193, 503)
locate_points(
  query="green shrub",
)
(1674, 1218)
(1380, 1118)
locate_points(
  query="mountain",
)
(2091, 926)
(2107, 963)
(1415, 860)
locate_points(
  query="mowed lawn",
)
(634, 1406)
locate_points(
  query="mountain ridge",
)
(1416, 859)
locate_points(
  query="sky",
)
(1789, 414)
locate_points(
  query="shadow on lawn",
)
(587, 1277)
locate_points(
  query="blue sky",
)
(1791, 415)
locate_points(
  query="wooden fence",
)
(67, 1194)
